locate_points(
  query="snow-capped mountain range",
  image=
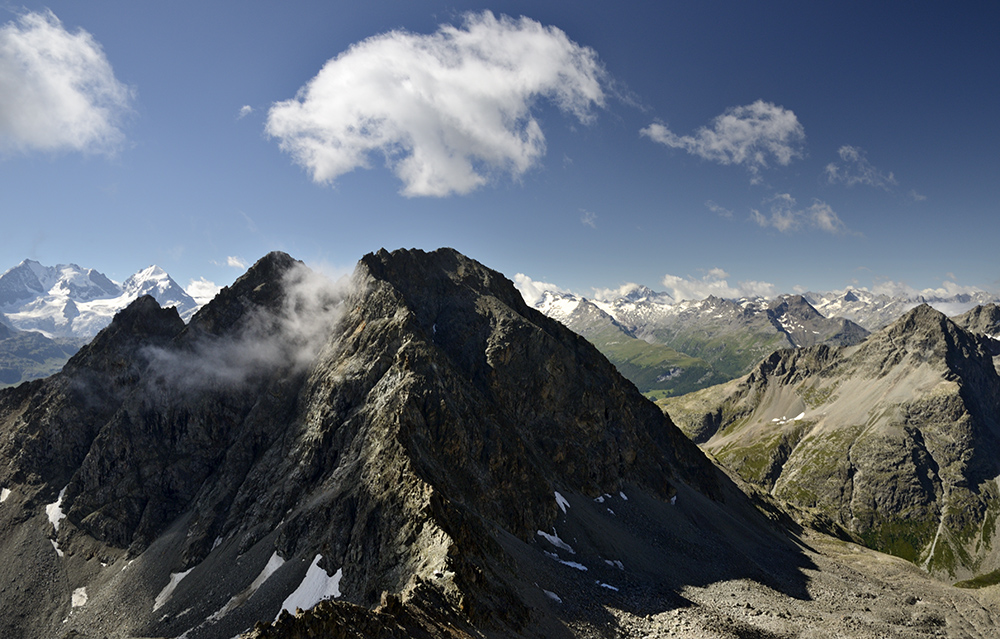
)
(668, 347)
(637, 306)
(877, 310)
(67, 300)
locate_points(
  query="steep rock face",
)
(398, 444)
(896, 438)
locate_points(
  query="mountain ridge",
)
(895, 438)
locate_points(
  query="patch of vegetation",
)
(762, 461)
(814, 396)
(656, 370)
(981, 581)
(905, 538)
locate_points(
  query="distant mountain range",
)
(668, 347)
(48, 312)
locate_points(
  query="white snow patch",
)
(4, 494)
(610, 512)
(673, 500)
(56, 546)
(54, 510)
(175, 578)
(799, 416)
(315, 587)
(551, 595)
(556, 541)
(216, 543)
(622, 495)
(563, 503)
(615, 564)
(234, 602)
(79, 597)
(571, 564)
(608, 586)
(599, 500)
(272, 566)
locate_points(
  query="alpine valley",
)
(414, 451)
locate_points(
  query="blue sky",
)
(725, 146)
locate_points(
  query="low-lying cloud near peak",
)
(291, 336)
(448, 111)
(714, 282)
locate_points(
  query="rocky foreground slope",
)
(897, 439)
(419, 449)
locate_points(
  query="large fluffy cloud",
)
(448, 111)
(787, 216)
(57, 89)
(714, 283)
(751, 136)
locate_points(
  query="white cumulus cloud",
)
(532, 290)
(236, 262)
(856, 169)
(58, 91)
(202, 290)
(751, 136)
(448, 111)
(714, 282)
(786, 216)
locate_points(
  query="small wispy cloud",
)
(856, 169)
(448, 111)
(233, 261)
(787, 216)
(721, 211)
(714, 282)
(588, 218)
(916, 197)
(244, 111)
(58, 91)
(751, 136)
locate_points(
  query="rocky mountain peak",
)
(983, 319)
(261, 286)
(795, 304)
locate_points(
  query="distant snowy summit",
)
(67, 300)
